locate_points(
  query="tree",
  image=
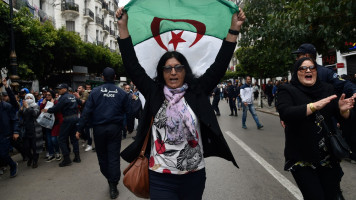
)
(277, 27)
(42, 50)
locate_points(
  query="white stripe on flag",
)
(200, 56)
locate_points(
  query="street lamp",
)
(13, 57)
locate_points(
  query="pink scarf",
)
(180, 126)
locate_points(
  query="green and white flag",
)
(195, 28)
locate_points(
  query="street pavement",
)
(259, 154)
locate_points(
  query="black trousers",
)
(177, 187)
(232, 104)
(270, 100)
(30, 148)
(68, 129)
(322, 183)
(107, 140)
(215, 105)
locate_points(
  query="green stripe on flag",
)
(214, 14)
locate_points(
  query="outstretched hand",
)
(323, 102)
(346, 104)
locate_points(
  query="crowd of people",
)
(180, 120)
(21, 129)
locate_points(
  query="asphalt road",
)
(259, 154)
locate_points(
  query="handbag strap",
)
(320, 119)
(142, 153)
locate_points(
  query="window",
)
(70, 26)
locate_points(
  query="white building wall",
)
(53, 8)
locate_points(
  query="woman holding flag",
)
(185, 129)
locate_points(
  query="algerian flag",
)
(194, 28)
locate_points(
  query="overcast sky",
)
(123, 2)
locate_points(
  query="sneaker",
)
(260, 126)
(58, 157)
(13, 172)
(50, 158)
(89, 148)
(244, 127)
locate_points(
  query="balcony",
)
(99, 21)
(112, 13)
(89, 14)
(70, 8)
(105, 7)
(112, 32)
(106, 29)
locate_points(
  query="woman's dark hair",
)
(180, 57)
(52, 93)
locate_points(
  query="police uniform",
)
(68, 106)
(106, 107)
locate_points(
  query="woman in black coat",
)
(316, 171)
(32, 131)
(185, 129)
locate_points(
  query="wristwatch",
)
(233, 32)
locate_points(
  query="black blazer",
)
(213, 140)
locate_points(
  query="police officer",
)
(68, 106)
(9, 128)
(107, 106)
(232, 94)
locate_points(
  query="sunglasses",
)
(177, 68)
(304, 68)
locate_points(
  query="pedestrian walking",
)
(268, 92)
(256, 91)
(216, 99)
(68, 106)
(246, 93)
(303, 105)
(232, 95)
(106, 107)
(184, 125)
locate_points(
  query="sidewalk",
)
(266, 109)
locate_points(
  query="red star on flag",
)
(176, 38)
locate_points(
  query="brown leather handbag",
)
(136, 174)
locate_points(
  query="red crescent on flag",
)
(156, 32)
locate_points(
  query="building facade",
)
(93, 20)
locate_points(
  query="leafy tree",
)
(42, 50)
(274, 28)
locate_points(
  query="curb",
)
(268, 112)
